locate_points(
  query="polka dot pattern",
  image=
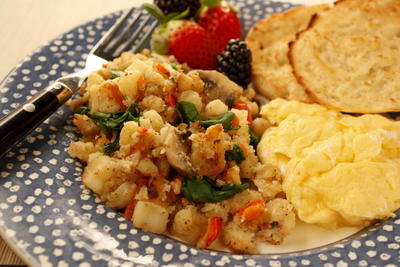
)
(46, 212)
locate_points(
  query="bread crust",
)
(347, 58)
(268, 40)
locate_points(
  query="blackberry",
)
(235, 62)
(170, 6)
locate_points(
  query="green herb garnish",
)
(115, 74)
(254, 139)
(111, 147)
(207, 190)
(189, 113)
(174, 67)
(236, 154)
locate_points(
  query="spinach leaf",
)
(188, 113)
(207, 190)
(236, 154)
(225, 119)
(111, 121)
(108, 122)
(254, 139)
(115, 74)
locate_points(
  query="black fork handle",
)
(24, 119)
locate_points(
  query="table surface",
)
(28, 24)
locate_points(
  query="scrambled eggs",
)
(338, 169)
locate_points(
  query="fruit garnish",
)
(235, 62)
(192, 44)
(186, 40)
(171, 6)
(221, 21)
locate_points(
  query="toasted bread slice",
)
(348, 58)
(268, 41)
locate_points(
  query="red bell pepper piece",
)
(252, 210)
(214, 228)
(243, 106)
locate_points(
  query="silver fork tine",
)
(104, 41)
(124, 34)
(145, 37)
(133, 37)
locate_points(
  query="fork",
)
(24, 119)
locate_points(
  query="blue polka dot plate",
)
(50, 219)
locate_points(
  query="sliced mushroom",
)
(177, 152)
(218, 86)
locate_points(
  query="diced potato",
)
(85, 126)
(220, 209)
(127, 131)
(241, 199)
(120, 198)
(102, 99)
(254, 109)
(215, 108)
(155, 78)
(281, 213)
(129, 85)
(101, 169)
(238, 239)
(192, 97)
(81, 150)
(189, 224)
(147, 167)
(143, 66)
(190, 81)
(155, 119)
(152, 102)
(150, 217)
(123, 61)
(94, 79)
(268, 181)
(137, 65)
(143, 194)
(198, 83)
(248, 166)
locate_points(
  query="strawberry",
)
(222, 22)
(194, 45)
(186, 40)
